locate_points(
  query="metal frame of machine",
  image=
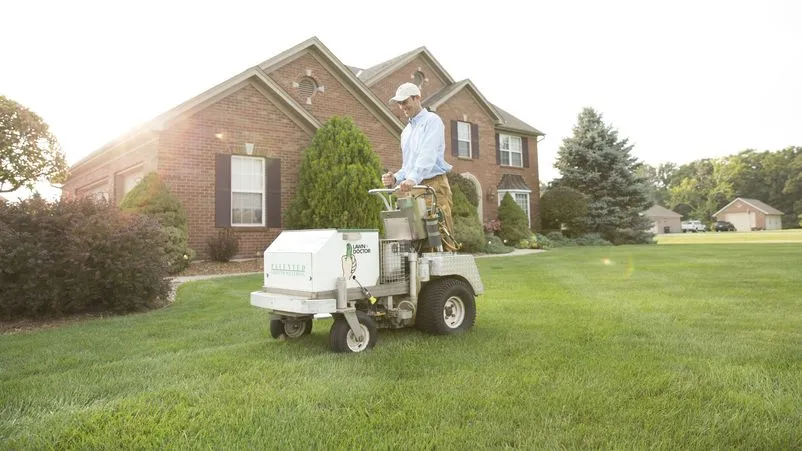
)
(392, 282)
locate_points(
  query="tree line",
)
(604, 190)
(698, 189)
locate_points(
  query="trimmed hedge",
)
(78, 256)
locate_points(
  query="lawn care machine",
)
(365, 282)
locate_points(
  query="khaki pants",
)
(443, 192)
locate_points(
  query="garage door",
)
(740, 221)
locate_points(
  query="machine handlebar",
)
(381, 191)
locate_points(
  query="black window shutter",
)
(222, 190)
(454, 139)
(475, 141)
(273, 177)
(498, 151)
(525, 150)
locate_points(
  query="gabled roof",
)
(259, 75)
(442, 96)
(161, 122)
(510, 122)
(373, 74)
(657, 211)
(754, 203)
(513, 182)
(343, 73)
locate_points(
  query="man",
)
(423, 151)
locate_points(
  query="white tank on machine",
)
(311, 260)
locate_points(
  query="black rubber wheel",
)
(445, 307)
(342, 339)
(290, 328)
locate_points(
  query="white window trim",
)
(513, 192)
(263, 192)
(468, 140)
(520, 150)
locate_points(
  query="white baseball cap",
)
(405, 91)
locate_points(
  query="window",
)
(510, 149)
(98, 191)
(463, 139)
(126, 180)
(521, 198)
(247, 191)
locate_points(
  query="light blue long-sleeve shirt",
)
(423, 148)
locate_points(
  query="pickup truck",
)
(693, 226)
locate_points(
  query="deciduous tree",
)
(28, 151)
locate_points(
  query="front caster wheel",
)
(290, 328)
(343, 339)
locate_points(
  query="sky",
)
(681, 80)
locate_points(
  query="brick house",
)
(231, 154)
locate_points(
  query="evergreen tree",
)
(514, 223)
(152, 197)
(338, 169)
(598, 164)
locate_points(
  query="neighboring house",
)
(231, 155)
(664, 220)
(750, 214)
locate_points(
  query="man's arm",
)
(432, 142)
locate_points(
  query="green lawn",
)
(634, 347)
(765, 236)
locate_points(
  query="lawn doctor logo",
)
(349, 259)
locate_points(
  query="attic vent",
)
(418, 78)
(307, 87)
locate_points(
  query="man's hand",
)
(406, 185)
(388, 179)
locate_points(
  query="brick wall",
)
(187, 160)
(385, 88)
(336, 99)
(109, 165)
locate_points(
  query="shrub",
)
(337, 170)
(514, 223)
(556, 239)
(466, 185)
(542, 241)
(492, 226)
(224, 246)
(78, 256)
(555, 236)
(563, 205)
(468, 232)
(496, 246)
(467, 228)
(152, 197)
(591, 239)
